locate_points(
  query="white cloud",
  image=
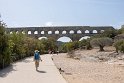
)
(49, 24)
(118, 25)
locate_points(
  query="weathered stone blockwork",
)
(73, 32)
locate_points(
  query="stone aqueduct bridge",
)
(73, 32)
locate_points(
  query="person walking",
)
(37, 59)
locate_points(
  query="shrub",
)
(71, 54)
(85, 44)
(119, 45)
(121, 31)
(4, 48)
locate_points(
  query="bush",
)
(121, 31)
(85, 44)
(70, 46)
(49, 45)
(110, 33)
(4, 48)
(119, 37)
(22, 46)
(71, 54)
(16, 44)
(119, 45)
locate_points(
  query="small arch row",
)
(58, 32)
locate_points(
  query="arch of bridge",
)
(73, 32)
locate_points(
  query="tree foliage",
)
(66, 47)
(101, 42)
(17, 45)
(4, 48)
(85, 44)
(49, 44)
(22, 46)
(119, 45)
(111, 33)
(121, 31)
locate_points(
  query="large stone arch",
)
(84, 37)
(66, 38)
(42, 38)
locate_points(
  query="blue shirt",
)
(36, 56)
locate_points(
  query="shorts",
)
(37, 63)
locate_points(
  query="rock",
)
(89, 59)
(120, 58)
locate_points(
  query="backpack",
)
(36, 56)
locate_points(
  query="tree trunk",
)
(117, 50)
(101, 48)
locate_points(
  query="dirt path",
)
(76, 71)
(24, 72)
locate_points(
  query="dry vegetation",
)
(92, 66)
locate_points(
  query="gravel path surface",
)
(24, 72)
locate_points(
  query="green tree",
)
(17, 45)
(101, 42)
(29, 45)
(111, 33)
(121, 31)
(49, 44)
(63, 48)
(68, 47)
(4, 48)
(75, 45)
(32, 44)
(85, 44)
(119, 45)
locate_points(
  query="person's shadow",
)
(41, 71)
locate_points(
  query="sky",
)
(27, 13)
